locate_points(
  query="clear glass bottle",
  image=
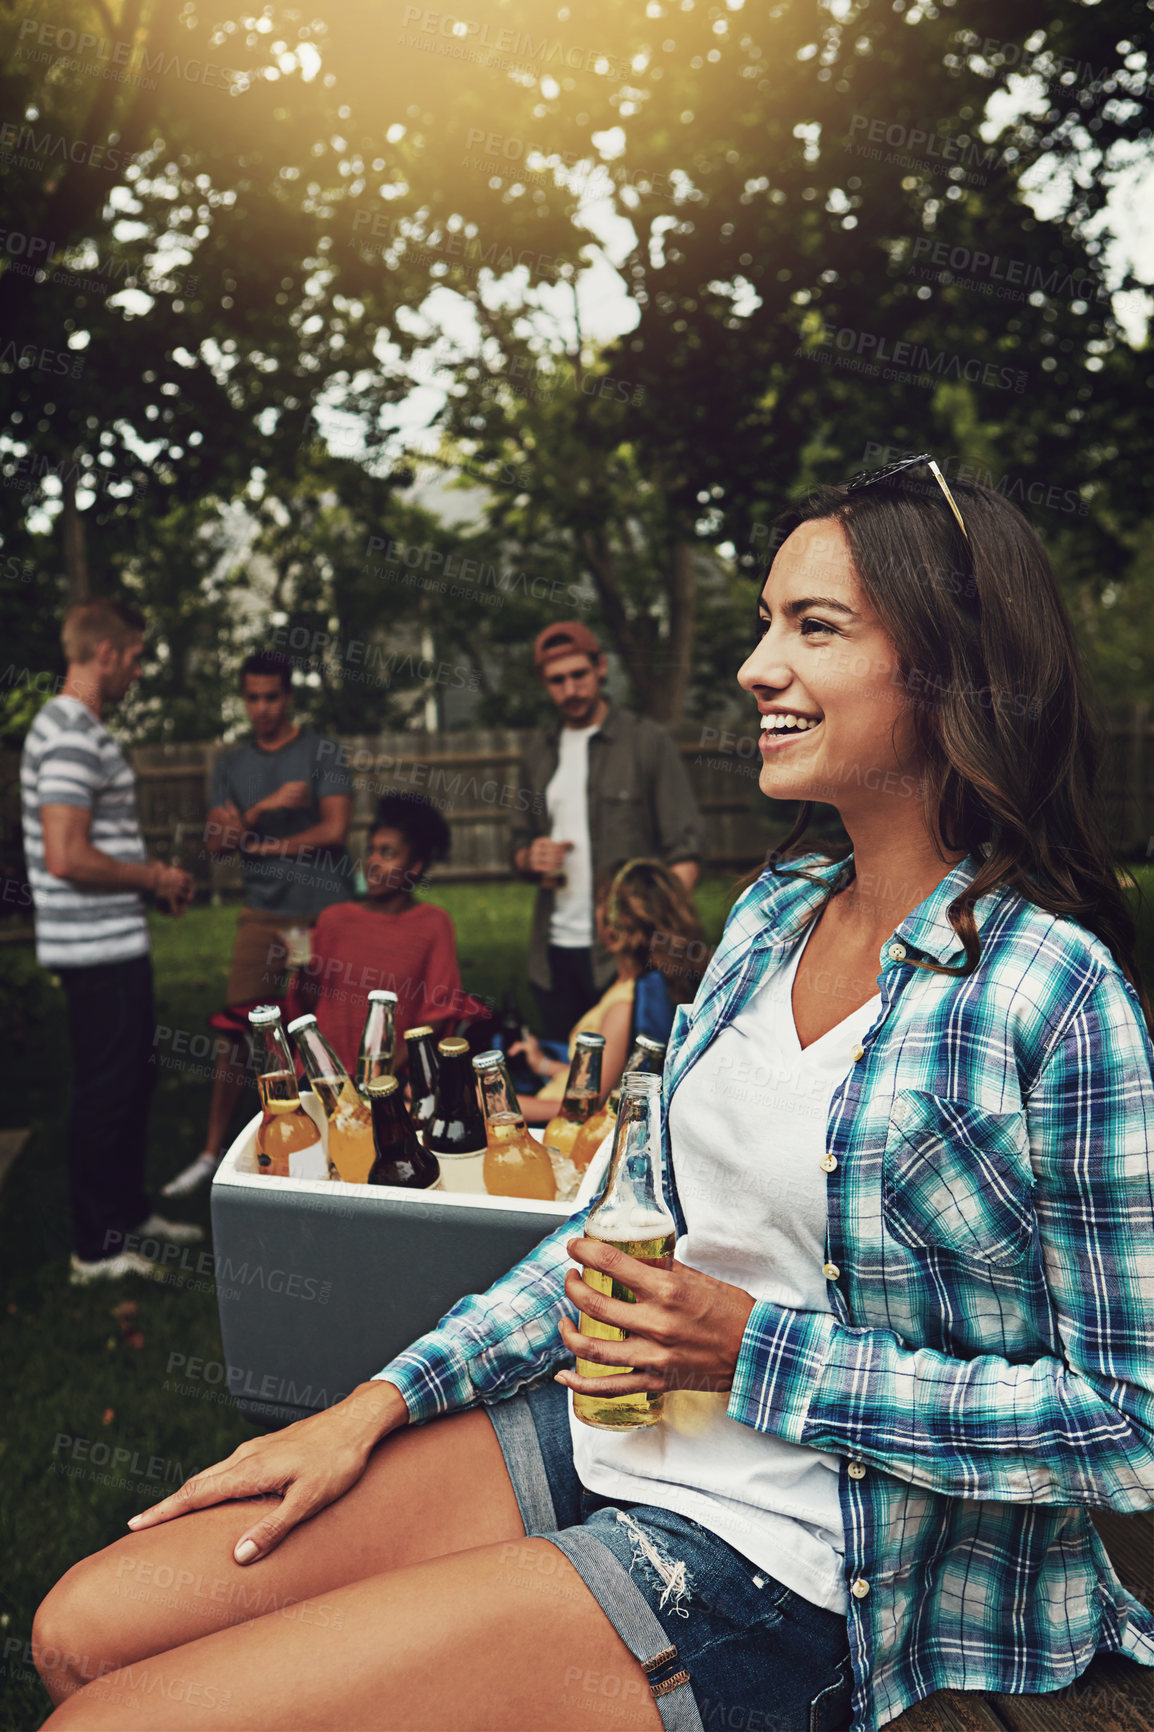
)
(582, 1093)
(421, 1057)
(378, 1038)
(516, 1164)
(401, 1157)
(647, 1055)
(349, 1120)
(288, 1143)
(631, 1215)
(456, 1131)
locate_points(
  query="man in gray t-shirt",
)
(282, 802)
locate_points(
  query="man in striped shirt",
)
(89, 874)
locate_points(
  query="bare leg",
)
(227, 1086)
(504, 1638)
(426, 1491)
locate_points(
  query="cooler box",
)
(320, 1284)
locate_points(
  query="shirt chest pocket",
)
(957, 1178)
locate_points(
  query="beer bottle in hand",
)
(582, 1093)
(422, 1061)
(401, 1158)
(456, 1133)
(647, 1055)
(516, 1164)
(378, 1038)
(631, 1215)
(349, 1122)
(288, 1144)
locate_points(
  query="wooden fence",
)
(473, 778)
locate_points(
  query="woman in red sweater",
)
(387, 940)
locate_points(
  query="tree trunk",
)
(668, 691)
(75, 545)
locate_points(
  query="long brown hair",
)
(1010, 743)
(650, 912)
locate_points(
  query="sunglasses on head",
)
(871, 478)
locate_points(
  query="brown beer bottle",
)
(582, 1092)
(401, 1157)
(516, 1164)
(647, 1055)
(423, 1068)
(456, 1131)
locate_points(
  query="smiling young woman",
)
(907, 1331)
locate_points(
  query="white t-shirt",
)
(566, 800)
(747, 1129)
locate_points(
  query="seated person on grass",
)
(645, 918)
(388, 940)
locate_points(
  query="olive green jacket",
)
(640, 804)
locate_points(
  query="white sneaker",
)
(176, 1232)
(110, 1268)
(192, 1177)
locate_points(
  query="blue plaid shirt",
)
(986, 1372)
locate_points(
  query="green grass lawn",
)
(93, 1400)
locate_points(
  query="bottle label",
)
(464, 1171)
(311, 1162)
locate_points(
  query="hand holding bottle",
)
(683, 1332)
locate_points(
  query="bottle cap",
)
(647, 1045)
(379, 996)
(593, 1040)
(416, 1033)
(262, 1014)
(452, 1045)
(301, 1021)
(381, 1086)
(488, 1060)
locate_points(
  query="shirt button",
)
(828, 1163)
(857, 1470)
(859, 1589)
(858, 1052)
(830, 1271)
(896, 952)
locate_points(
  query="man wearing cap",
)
(606, 787)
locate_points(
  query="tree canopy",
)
(822, 232)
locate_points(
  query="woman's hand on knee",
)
(308, 1466)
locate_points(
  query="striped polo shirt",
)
(70, 759)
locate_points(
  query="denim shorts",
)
(725, 1647)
